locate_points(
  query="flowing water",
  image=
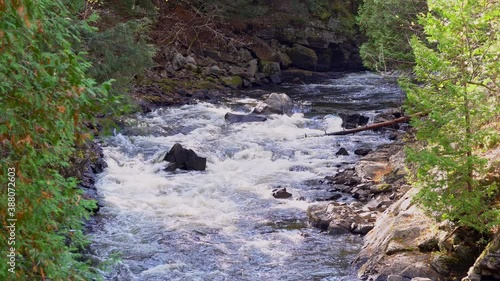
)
(223, 223)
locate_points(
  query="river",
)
(223, 223)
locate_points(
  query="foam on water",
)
(222, 223)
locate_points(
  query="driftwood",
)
(373, 126)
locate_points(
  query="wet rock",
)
(275, 104)
(346, 177)
(362, 151)
(338, 218)
(281, 193)
(303, 57)
(351, 121)
(243, 118)
(342, 151)
(185, 159)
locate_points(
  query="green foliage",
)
(44, 98)
(389, 26)
(120, 53)
(458, 86)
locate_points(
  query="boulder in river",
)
(243, 118)
(185, 159)
(281, 193)
(275, 104)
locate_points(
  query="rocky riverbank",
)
(402, 242)
(203, 55)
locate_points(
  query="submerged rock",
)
(243, 118)
(184, 159)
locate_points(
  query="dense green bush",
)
(388, 27)
(44, 98)
(120, 53)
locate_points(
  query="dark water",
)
(223, 223)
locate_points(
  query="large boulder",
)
(185, 159)
(303, 57)
(275, 104)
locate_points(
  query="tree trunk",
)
(373, 126)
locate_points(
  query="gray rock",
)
(252, 68)
(275, 104)
(178, 62)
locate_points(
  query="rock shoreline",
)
(401, 241)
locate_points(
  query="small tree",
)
(458, 85)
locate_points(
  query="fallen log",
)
(373, 126)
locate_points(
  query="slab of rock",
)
(243, 118)
(391, 247)
(185, 159)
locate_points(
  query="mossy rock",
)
(232, 81)
(303, 57)
(270, 68)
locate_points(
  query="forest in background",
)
(67, 66)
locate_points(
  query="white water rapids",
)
(223, 223)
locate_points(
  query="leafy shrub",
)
(44, 98)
